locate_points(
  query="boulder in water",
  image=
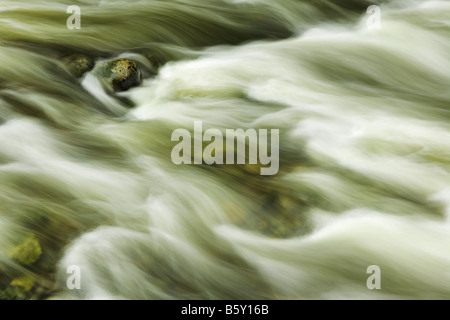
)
(123, 74)
(78, 64)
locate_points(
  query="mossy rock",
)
(12, 293)
(25, 283)
(28, 252)
(20, 288)
(78, 64)
(122, 74)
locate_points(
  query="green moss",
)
(78, 64)
(28, 252)
(124, 74)
(25, 283)
(11, 293)
(20, 288)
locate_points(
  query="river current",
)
(358, 208)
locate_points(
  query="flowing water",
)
(87, 182)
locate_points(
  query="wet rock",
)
(24, 283)
(123, 74)
(78, 64)
(12, 293)
(276, 213)
(280, 216)
(28, 252)
(19, 289)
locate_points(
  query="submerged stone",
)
(28, 252)
(78, 64)
(156, 61)
(20, 288)
(25, 283)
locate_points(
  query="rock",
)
(20, 288)
(123, 74)
(26, 283)
(12, 293)
(28, 252)
(278, 215)
(78, 64)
